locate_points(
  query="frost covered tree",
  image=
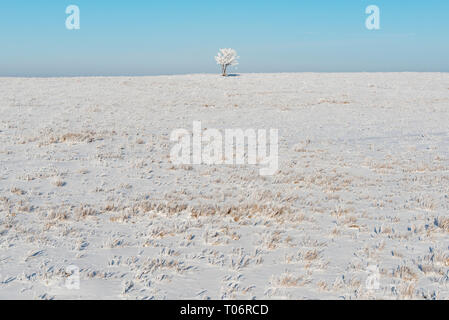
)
(226, 58)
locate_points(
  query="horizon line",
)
(204, 73)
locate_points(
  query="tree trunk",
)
(223, 70)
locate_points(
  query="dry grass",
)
(18, 191)
(87, 136)
(58, 182)
(289, 280)
(442, 223)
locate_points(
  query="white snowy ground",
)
(363, 185)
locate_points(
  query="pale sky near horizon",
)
(179, 36)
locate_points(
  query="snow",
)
(362, 185)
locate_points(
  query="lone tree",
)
(226, 58)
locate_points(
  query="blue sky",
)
(180, 36)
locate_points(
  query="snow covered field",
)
(359, 208)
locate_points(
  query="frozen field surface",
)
(358, 209)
